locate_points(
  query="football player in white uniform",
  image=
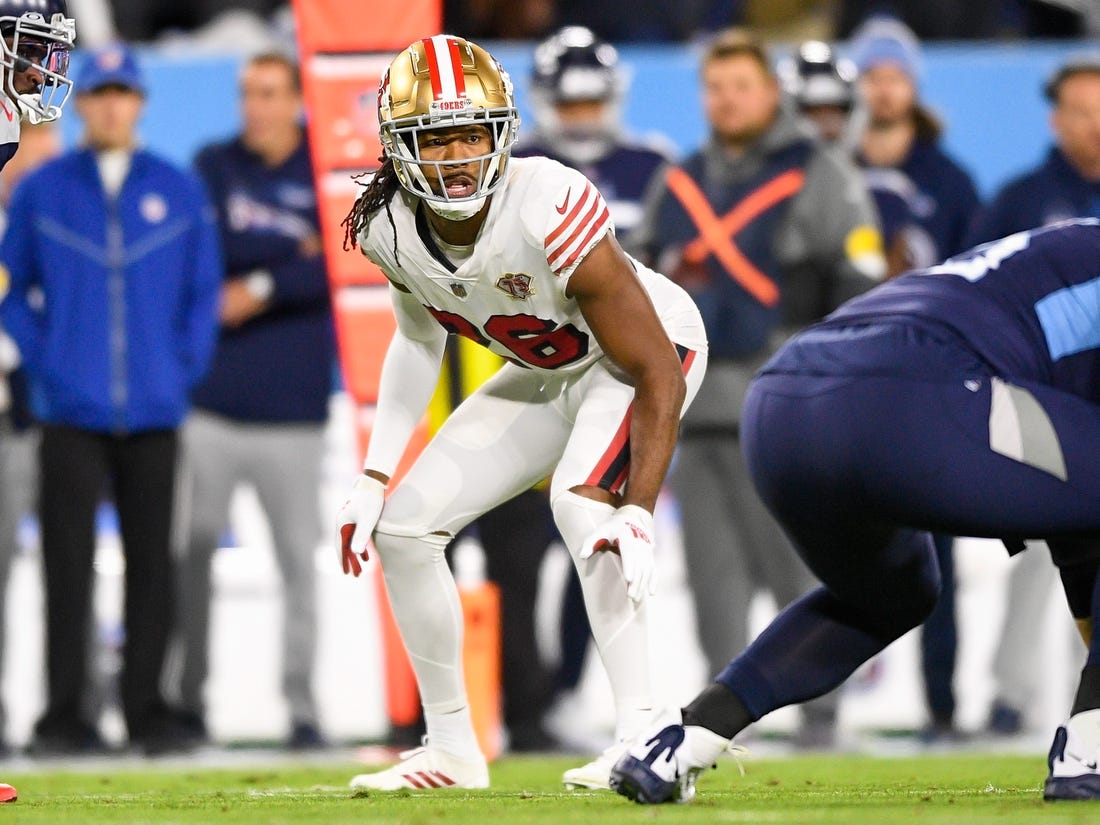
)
(604, 355)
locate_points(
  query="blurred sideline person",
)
(520, 255)
(860, 468)
(578, 87)
(901, 138)
(38, 41)
(1065, 185)
(1067, 182)
(821, 86)
(114, 267)
(767, 229)
(259, 415)
(899, 146)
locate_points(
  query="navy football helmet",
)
(36, 38)
(575, 66)
(815, 76)
(822, 88)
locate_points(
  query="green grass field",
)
(850, 790)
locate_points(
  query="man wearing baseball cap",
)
(125, 246)
(112, 66)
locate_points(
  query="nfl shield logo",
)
(459, 290)
(516, 285)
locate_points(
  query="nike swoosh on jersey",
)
(586, 219)
(565, 203)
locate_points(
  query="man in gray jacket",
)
(768, 229)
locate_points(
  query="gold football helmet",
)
(436, 83)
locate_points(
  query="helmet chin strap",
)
(456, 210)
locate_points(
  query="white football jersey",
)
(10, 122)
(510, 294)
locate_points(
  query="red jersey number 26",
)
(534, 341)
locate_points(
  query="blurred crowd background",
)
(225, 22)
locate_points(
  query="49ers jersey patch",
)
(517, 285)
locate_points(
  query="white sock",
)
(620, 629)
(451, 732)
(425, 604)
(704, 746)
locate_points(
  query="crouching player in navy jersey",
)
(963, 399)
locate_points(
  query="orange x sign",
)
(715, 233)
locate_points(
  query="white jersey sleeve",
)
(566, 215)
(574, 231)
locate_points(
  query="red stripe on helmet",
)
(456, 67)
(433, 67)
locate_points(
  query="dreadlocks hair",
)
(377, 193)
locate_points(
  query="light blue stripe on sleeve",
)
(1070, 319)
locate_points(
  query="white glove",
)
(357, 519)
(629, 532)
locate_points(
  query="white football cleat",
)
(1074, 759)
(426, 768)
(662, 766)
(596, 774)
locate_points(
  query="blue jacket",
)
(1053, 191)
(113, 301)
(278, 366)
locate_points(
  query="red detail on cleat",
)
(428, 779)
(414, 780)
(8, 793)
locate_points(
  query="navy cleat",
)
(1073, 760)
(663, 766)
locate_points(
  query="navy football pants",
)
(858, 469)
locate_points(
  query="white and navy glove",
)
(629, 532)
(357, 519)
